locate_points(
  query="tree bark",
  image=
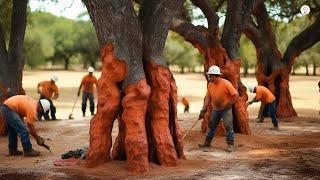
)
(270, 73)
(148, 127)
(207, 41)
(11, 58)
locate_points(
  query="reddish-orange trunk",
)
(113, 71)
(231, 71)
(134, 108)
(159, 113)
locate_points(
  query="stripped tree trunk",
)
(223, 54)
(131, 50)
(272, 69)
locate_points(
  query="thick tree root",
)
(160, 82)
(175, 129)
(134, 108)
(107, 109)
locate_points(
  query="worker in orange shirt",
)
(14, 109)
(186, 104)
(87, 86)
(264, 95)
(222, 95)
(48, 90)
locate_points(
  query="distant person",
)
(48, 90)
(186, 104)
(87, 86)
(264, 95)
(222, 95)
(14, 110)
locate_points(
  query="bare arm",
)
(33, 131)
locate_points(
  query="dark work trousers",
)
(15, 126)
(46, 114)
(271, 108)
(85, 97)
(227, 117)
(186, 109)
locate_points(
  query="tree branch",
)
(301, 42)
(213, 21)
(251, 30)
(196, 35)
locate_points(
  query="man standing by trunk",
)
(222, 95)
(87, 86)
(48, 90)
(267, 98)
(14, 110)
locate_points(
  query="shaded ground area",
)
(292, 153)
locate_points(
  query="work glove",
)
(40, 140)
(201, 115)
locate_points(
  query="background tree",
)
(178, 52)
(273, 69)
(11, 46)
(247, 54)
(222, 52)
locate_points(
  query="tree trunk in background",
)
(11, 59)
(314, 73)
(148, 127)
(245, 70)
(66, 63)
(307, 69)
(271, 73)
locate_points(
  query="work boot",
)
(260, 121)
(31, 153)
(15, 152)
(230, 148)
(275, 128)
(205, 144)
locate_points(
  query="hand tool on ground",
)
(194, 124)
(75, 102)
(45, 146)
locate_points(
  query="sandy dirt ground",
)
(291, 153)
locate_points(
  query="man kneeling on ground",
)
(14, 110)
(222, 96)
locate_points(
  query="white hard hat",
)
(90, 70)
(54, 78)
(251, 89)
(45, 104)
(214, 70)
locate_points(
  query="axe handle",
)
(194, 124)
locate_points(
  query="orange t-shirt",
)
(88, 82)
(24, 106)
(48, 88)
(221, 93)
(185, 101)
(264, 95)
